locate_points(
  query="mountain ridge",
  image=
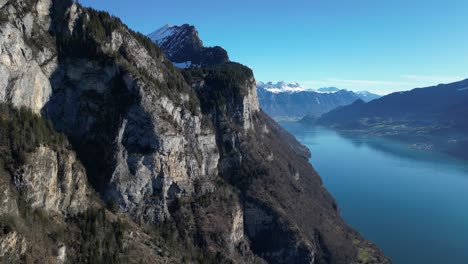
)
(431, 117)
(140, 162)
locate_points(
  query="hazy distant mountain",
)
(292, 101)
(367, 96)
(184, 48)
(328, 89)
(435, 117)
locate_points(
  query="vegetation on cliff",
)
(22, 131)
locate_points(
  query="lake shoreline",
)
(409, 202)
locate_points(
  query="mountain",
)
(427, 118)
(292, 101)
(367, 96)
(110, 154)
(184, 48)
(328, 90)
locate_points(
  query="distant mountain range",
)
(184, 48)
(428, 118)
(292, 101)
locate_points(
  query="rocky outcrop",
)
(12, 246)
(250, 104)
(53, 182)
(184, 47)
(25, 69)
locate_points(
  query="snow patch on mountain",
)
(160, 35)
(367, 96)
(281, 87)
(363, 93)
(327, 90)
(183, 65)
(294, 87)
(173, 39)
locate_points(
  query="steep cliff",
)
(164, 171)
(48, 211)
(288, 216)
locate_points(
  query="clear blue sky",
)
(377, 45)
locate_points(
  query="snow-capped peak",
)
(281, 87)
(363, 92)
(161, 34)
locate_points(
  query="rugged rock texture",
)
(175, 172)
(49, 212)
(25, 70)
(53, 182)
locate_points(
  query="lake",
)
(412, 204)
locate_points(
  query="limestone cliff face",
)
(155, 149)
(188, 154)
(25, 70)
(12, 244)
(155, 144)
(136, 125)
(250, 104)
(53, 182)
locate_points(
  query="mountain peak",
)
(169, 35)
(184, 47)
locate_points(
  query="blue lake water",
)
(412, 204)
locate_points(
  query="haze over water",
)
(412, 204)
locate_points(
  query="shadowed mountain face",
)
(300, 104)
(430, 118)
(150, 164)
(184, 48)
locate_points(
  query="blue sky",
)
(381, 46)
